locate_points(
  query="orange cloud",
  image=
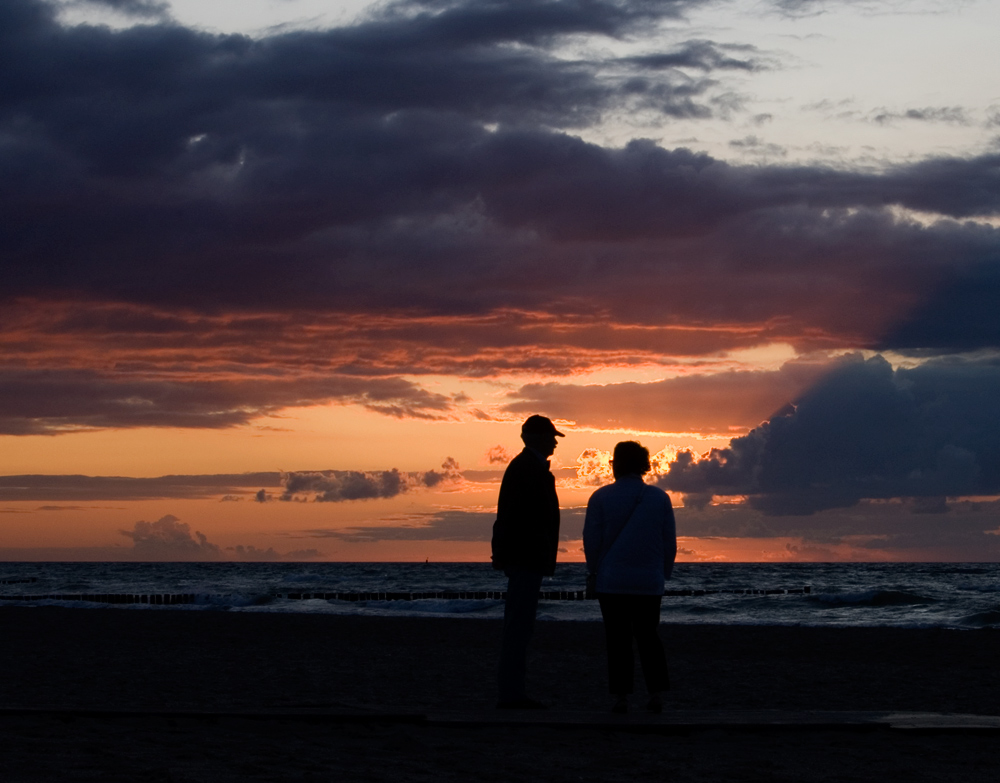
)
(709, 402)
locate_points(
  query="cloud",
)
(445, 525)
(449, 473)
(498, 455)
(705, 56)
(593, 466)
(253, 554)
(334, 486)
(688, 403)
(143, 9)
(961, 315)
(58, 401)
(202, 229)
(170, 539)
(870, 530)
(452, 525)
(864, 431)
(292, 352)
(302, 554)
(330, 485)
(359, 166)
(73, 487)
(954, 115)
(755, 145)
(803, 8)
(697, 501)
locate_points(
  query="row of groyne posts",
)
(170, 599)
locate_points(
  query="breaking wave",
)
(874, 598)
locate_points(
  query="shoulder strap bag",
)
(591, 592)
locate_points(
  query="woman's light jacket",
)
(631, 551)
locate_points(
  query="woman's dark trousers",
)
(627, 617)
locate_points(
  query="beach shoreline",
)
(246, 660)
(171, 660)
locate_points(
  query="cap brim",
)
(557, 433)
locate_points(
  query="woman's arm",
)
(593, 533)
(669, 538)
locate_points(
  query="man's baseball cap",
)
(539, 425)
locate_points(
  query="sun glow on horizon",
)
(320, 262)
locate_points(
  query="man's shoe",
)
(620, 707)
(655, 704)
(523, 703)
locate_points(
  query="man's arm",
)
(510, 515)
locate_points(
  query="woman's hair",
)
(630, 459)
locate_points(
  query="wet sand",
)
(169, 660)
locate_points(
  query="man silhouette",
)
(525, 539)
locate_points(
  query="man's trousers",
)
(518, 625)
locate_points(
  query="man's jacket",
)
(526, 533)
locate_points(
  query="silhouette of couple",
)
(630, 543)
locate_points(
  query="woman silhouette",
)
(630, 542)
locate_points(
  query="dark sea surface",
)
(944, 595)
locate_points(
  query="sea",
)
(916, 595)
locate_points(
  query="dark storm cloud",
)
(160, 163)
(961, 314)
(870, 530)
(864, 431)
(54, 401)
(421, 162)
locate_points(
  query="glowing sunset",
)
(281, 282)
(499, 390)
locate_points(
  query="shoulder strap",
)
(635, 505)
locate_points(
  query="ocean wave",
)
(872, 598)
(142, 601)
(694, 609)
(435, 605)
(307, 578)
(985, 619)
(232, 600)
(965, 596)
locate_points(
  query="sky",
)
(281, 278)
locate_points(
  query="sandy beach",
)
(149, 664)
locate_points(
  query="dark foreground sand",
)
(253, 663)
